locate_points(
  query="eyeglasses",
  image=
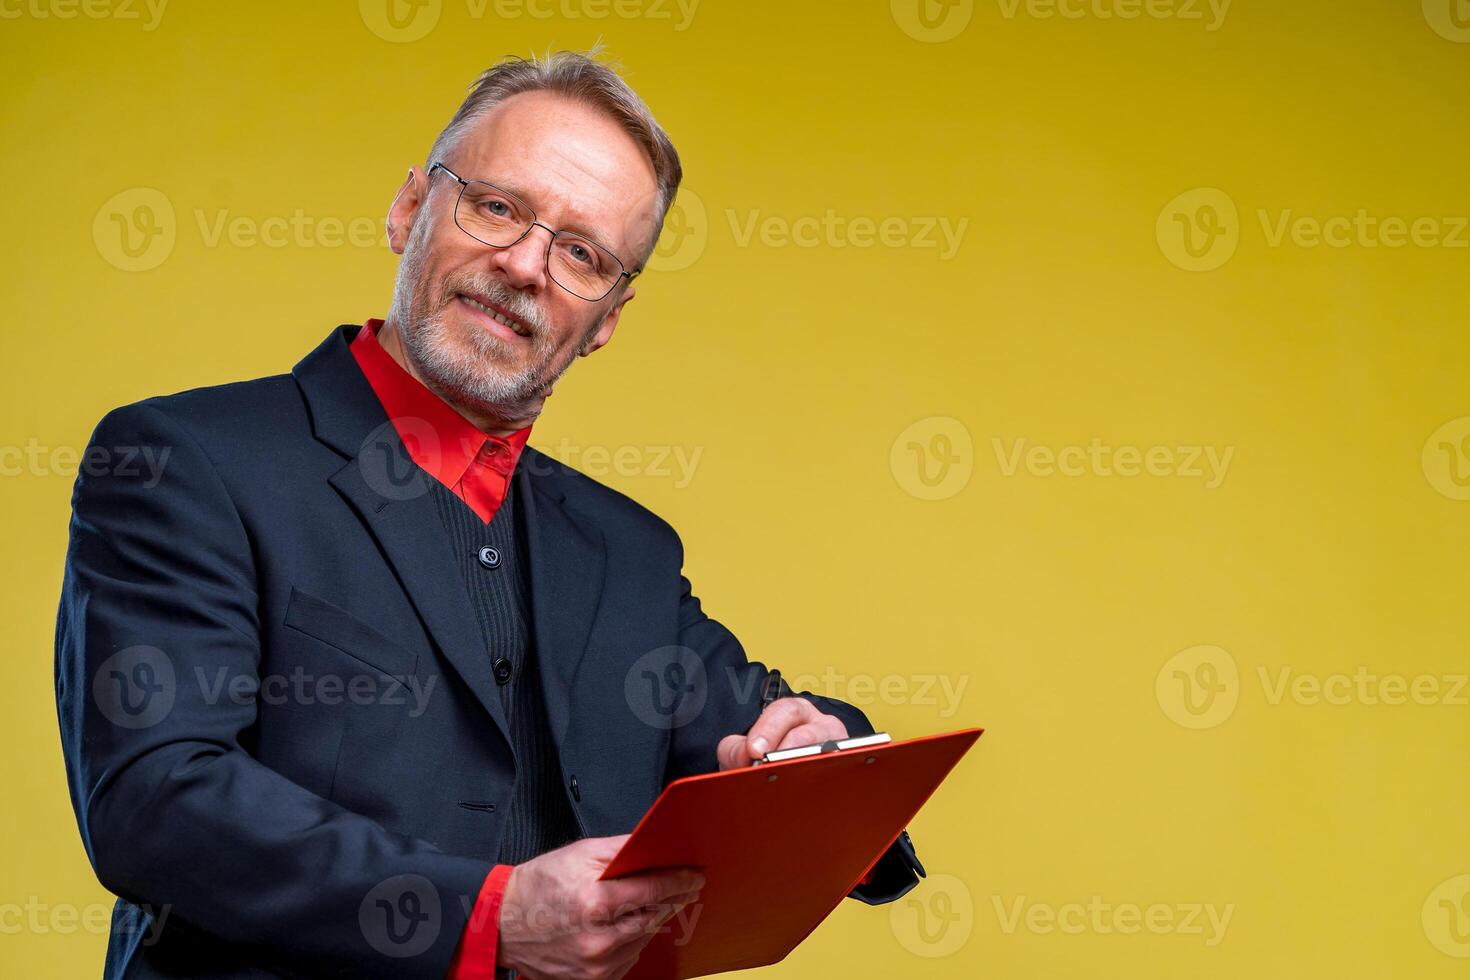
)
(498, 218)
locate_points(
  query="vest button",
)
(502, 669)
(489, 557)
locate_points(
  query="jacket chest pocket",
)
(346, 634)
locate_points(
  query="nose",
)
(524, 263)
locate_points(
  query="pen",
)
(769, 693)
(772, 690)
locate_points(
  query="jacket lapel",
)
(391, 496)
(568, 561)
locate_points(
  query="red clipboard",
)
(781, 844)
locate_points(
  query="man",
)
(365, 686)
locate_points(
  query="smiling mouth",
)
(496, 314)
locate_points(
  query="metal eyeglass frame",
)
(535, 223)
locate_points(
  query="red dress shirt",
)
(445, 444)
(477, 467)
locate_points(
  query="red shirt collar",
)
(445, 444)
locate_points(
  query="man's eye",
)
(581, 253)
(497, 209)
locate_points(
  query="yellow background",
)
(1336, 540)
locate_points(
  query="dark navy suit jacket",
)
(285, 744)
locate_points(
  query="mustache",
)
(515, 302)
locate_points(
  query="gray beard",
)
(466, 367)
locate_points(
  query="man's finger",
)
(808, 734)
(651, 888)
(603, 849)
(779, 718)
(731, 752)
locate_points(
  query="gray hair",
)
(581, 77)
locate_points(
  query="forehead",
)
(571, 162)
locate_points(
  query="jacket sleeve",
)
(730, 703)
(159, 599)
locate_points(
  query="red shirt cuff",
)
(475, 957)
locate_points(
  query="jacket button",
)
(489, 557)
(502, 669)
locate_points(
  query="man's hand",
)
(558, 920)
(785, 724)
